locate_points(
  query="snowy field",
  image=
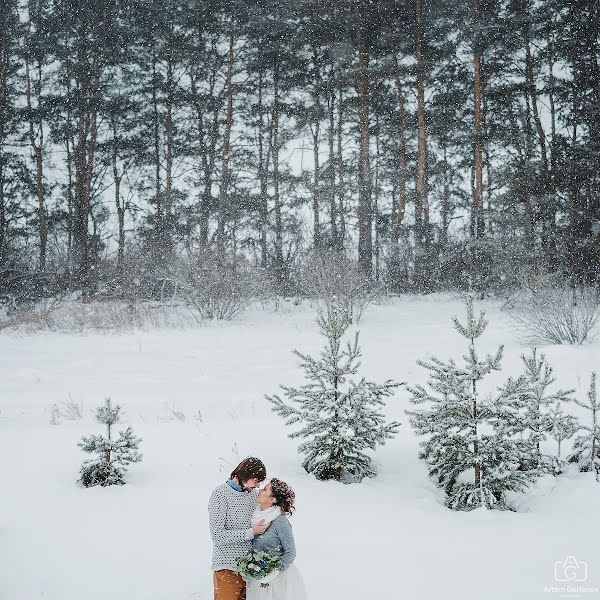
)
(389, 537)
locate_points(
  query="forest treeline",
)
(439, 144)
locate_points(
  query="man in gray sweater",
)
(229, 510)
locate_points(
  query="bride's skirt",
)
(288, 585)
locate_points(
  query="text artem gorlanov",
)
(571, 589)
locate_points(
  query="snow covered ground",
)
(389, 537)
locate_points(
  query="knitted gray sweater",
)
(229, 513)
(280, 535)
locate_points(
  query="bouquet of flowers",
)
(259, 565)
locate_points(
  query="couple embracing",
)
(243, 519)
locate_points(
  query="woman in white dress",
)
(275, 504)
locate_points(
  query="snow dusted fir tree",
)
(586, 448)
(340, 416)
(539, 417)
(113, 455)
(473, 448)
(564, 427)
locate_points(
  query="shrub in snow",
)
(108, 467)
(34, 315)
(332, 277)
(539, 418)
(473, 447)
(105, 315)
(586, 448)
(556, 315)
(340, 417)
(54, 415)
(69, 411)
(217, 287)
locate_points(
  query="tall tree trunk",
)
(10, 43)
(80, 217)
(522, 149)
(279, 266)
(208, 177)
(69, 191)
(208, 152)
(551, 100)
(334, 244)
(88, 90)
(168, 200)
(531, 89)
(546, 208)
(477, 221)
(36, 149)
(91, 145)
(529, 220)
(203, 155)
(445, 197)
(4, 104)
(421, 196)
(401, 176)
(487, 161)
(89, 162)
(365, 211)
(3, 232)
(593, 123)
(340, 170)
(121, 225)
(573, 167)
(527, 170)
(376, 214)
(263, 171)
(224, 208)
(119, 202)
(316, 129)
(315, 191)
(158, 196)
(69, 145)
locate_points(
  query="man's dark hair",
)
(249, 468)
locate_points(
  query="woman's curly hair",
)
(284, 496)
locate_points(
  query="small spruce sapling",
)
(471, 446)
(340, 416)
(113, 455)
(563, 428)
(586, 448)
(538, 418)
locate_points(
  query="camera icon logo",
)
(570, 570)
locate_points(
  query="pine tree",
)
(472, 446)
(113, 456)
(563, 428)
(538, 419)
(340, 417)
(586, 448)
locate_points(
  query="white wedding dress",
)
(285, 585)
